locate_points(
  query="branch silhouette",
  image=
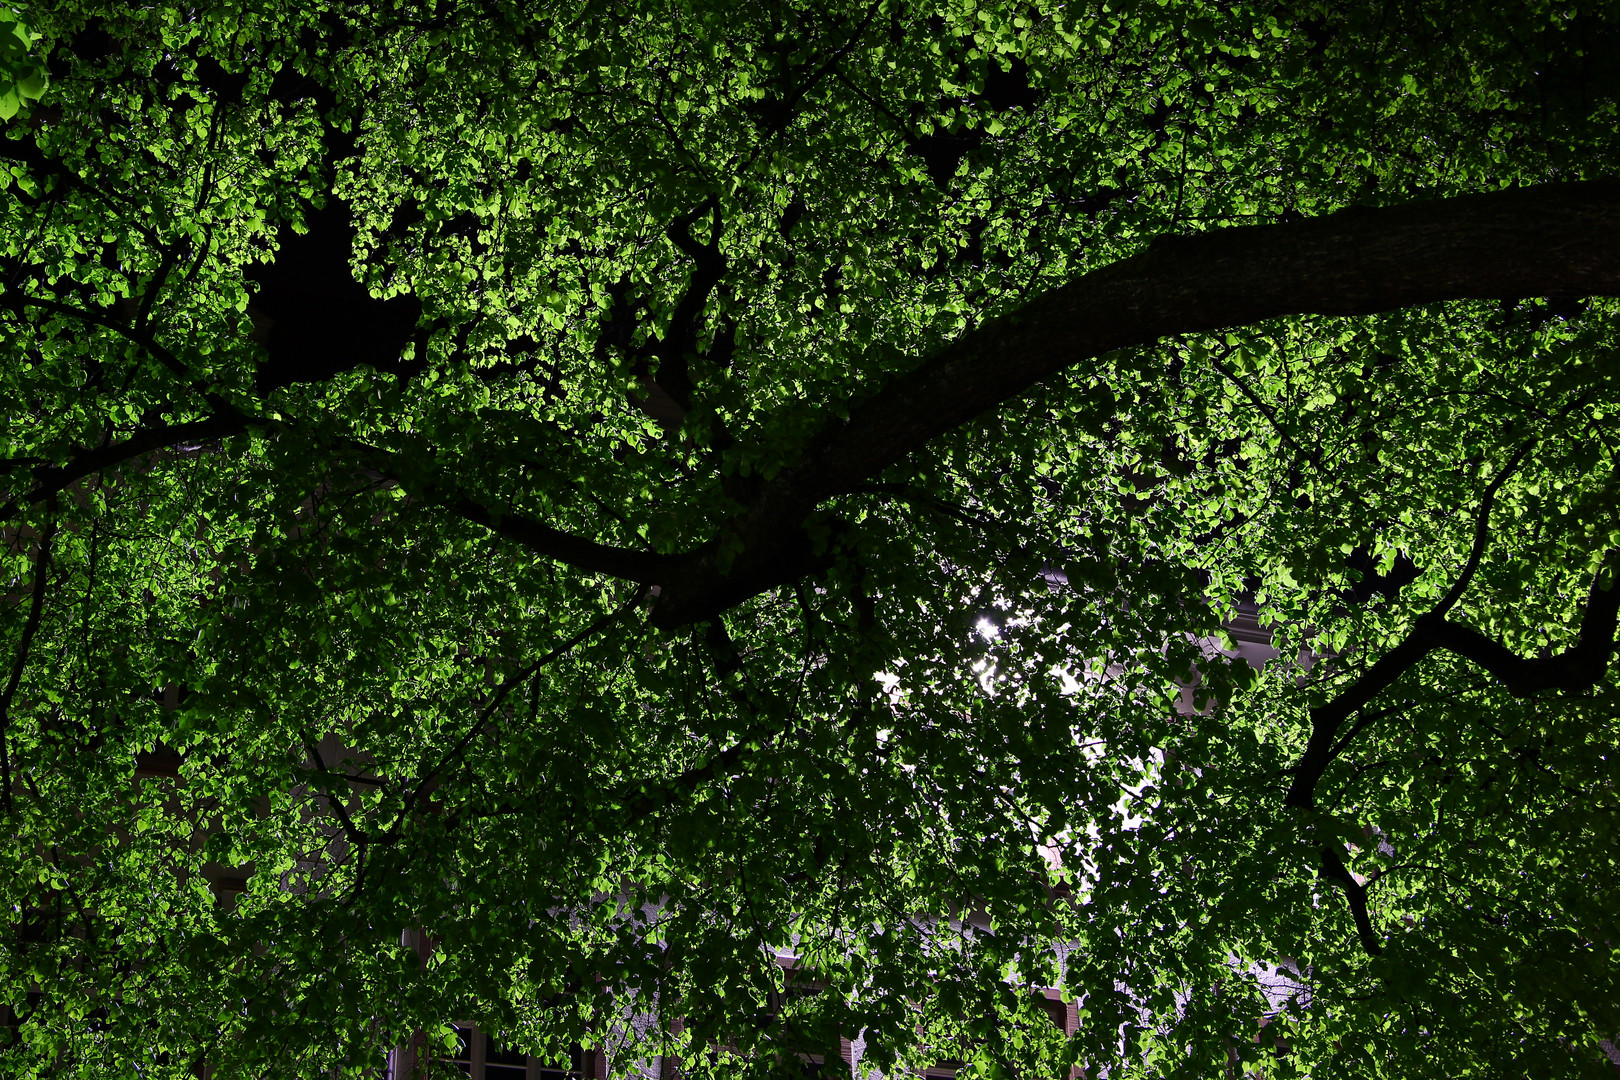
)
(1544, 240)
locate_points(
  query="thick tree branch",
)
(1546, 240)
(708, 268)
(1355, 893)
(52, 480)
(638, 566)
(428, 482)
(642, 567)
(1575, 670)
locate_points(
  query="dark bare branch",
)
(425, 481)
(638, 566)
(1575, 670)
(36, 607)
(652, 796)
(708, 268)
(1482, 532)
(1321, 750)
(1355, 894)
(1572, 671)
(335, 799)
(52, 480)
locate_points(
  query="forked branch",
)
(1574, 671)
(1326, 719)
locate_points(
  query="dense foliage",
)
(443, 489)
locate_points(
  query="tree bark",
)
(1547, 240)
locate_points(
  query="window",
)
(479, 1057)
(504, 1064)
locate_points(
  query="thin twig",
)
(507, 686)
(1482, 524)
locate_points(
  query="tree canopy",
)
(624, 489)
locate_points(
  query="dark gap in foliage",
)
(225, 85)
(91, 45)
(320, 319)
(1370, 581)
(942, 153)
(1009, 88)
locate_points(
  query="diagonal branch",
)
(510, 683)
(770, 714)
(1321, 750)
(1544, 240)
(708, 269)
(431, 484)
(139, 336)
(1355, 894)
(789, 107)
(1360, 725)
(51, 480)
(1573, 671)
(641, 567)
(1259, 403)
(649, 797)
(1482, 525)
(356, 837)
(36, 606)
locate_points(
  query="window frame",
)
(476, 1065)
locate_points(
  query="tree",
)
(623, 487)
